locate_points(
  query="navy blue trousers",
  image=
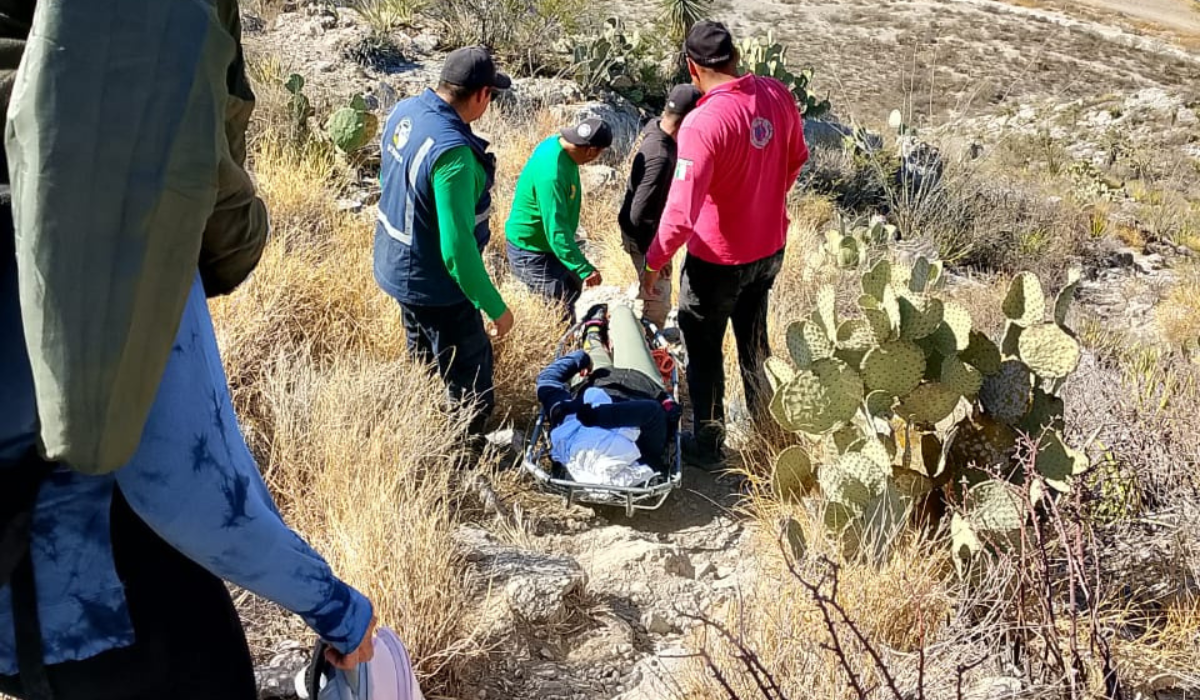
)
(453, 339)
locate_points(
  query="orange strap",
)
(665, 363)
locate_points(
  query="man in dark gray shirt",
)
(646, 195)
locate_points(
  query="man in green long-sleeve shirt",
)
(432, 228)
(541, 227)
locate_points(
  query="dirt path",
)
(594, 605)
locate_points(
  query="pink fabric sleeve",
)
(689, 187)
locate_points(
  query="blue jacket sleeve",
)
(553, 382)
(195, 483)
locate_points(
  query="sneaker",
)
(597, 318)
(702, 454)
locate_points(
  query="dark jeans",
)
(189, 641)
(453, 338)
(546, 275)
(710, 296)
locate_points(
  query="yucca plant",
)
(680, 15)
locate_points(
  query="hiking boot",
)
(707, 455)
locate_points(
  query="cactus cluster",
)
(849, 250)
(767, 57)
(351, 127)
(907, 400)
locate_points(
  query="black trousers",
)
(453, 339)
(189, 641)
(710, 297)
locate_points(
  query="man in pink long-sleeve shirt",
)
(740, 152)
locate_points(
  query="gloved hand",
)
(674, 410)
(586, 414)
(562, 409)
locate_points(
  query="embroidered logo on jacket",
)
(761, 132)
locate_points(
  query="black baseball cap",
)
(594, 133)
(709, 44)
(682, 98)
(472, 67)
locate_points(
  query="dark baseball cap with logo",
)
(592, 133)
(709, 44)
(472, 67)
(682, 99)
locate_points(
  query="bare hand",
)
(593, 279)
(502, 325)
(364, 653)
(649, 282)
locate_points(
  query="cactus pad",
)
(982, 443)
(348, 127)
(1010, 346)
(873, 449)
(1006, 394)
(876, 279)
(961, 377)
(794, 475)
(855, 334)
(1058, 463)
(798, 346)
(995, 507)
(919, 316)
(820, 400)
(929, 403)
(895, 367)
(1046, 411)
(881, 324)
(853, 480)
(779, 372)
(1049, 351)
(982, 353)
(1025, 303)
(879, 404)
(920, 277)
(956, 317)
(826, 311)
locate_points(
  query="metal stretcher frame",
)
(630, 497)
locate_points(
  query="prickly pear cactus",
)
(351, 127)
(909, 399)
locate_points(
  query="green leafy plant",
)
(767, 57)
(351, 127)
(907, 402)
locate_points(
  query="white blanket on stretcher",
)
(599, 455)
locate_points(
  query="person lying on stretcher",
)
(609, 415)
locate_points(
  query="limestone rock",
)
(535, 585)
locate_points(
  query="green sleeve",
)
(457, 178)
(561, 220)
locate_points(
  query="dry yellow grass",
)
(1179, 314)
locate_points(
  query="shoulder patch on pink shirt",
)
(682, 167)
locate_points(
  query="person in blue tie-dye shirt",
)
(112, 584)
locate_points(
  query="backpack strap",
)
(17, 501)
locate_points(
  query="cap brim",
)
(572, 136)
(502, 81)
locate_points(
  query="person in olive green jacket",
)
(544, 218)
